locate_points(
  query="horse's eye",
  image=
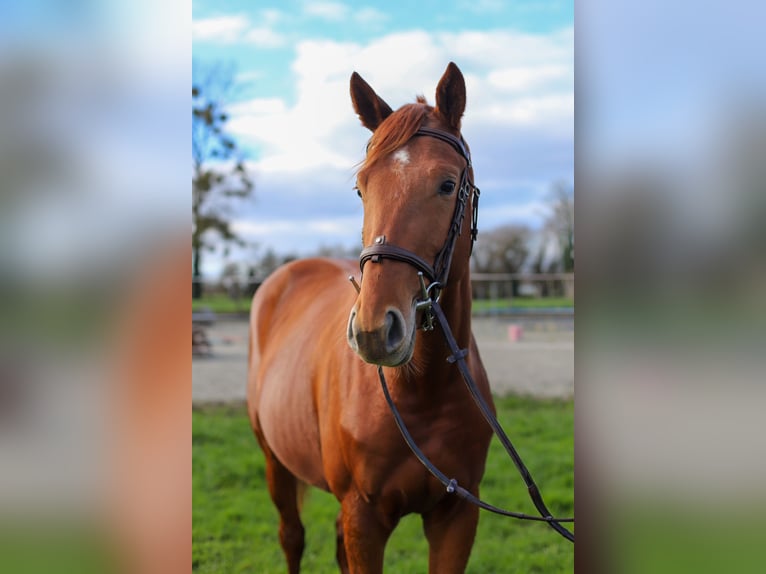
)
(358, 191)
(447, 188)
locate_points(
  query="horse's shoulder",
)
(313, 270)
(322, 265)
(301, 284)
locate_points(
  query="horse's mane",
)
(395, 131)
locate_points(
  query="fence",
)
(539, 293)
(492, 292)
(509, 285)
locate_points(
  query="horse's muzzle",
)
(389, 343)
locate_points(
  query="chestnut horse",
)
(314, 399)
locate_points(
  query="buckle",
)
(426, 302)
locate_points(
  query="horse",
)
(316, 343)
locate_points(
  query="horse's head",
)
(414, 183)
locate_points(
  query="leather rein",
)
(429, 304)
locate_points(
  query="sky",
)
(293, 117)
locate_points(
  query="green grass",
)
(480, 305)
(222, 303)
(38, 545)
(663, 531)
(235, 523)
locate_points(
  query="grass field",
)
(235, 524)
(522, 303)
(222, 303)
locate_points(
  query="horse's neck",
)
(431, 351)
(456, 304)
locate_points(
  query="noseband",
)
(437, 273)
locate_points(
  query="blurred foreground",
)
(671, 332)
(94, 362)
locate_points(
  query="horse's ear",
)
(450, 96)
(368, 105)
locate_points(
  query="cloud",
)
(264, 37)
(503, 48)
(510, 91)
(259, 106)
(298, 212)
(227, 29)
(332, 11)
(335, 12)
(258, 230)
(521, 213)
(370, 16)
(521, 79)
(519, 122)
(238, 29)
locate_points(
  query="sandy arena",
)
(540, 363)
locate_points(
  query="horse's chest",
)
(383, 467)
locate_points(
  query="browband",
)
(458, 144)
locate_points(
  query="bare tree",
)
(502, 250)
(560, 223)
(555, 253)
(218, 170)
(268, 263)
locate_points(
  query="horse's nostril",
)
(395, 331)
(350, 328)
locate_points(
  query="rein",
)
(437, 276)
(458, 357)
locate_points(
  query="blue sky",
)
(293, 113)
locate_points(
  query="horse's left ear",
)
(450, 96)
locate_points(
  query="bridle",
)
(437, 276)
(437, 273)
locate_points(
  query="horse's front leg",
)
(340, 545)
(365, 531)
(450, 529)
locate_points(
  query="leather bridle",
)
(437, 273)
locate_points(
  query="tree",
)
(502, 250)
(556, 251)
(218, 170)
(560, 223)
(268, 263)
